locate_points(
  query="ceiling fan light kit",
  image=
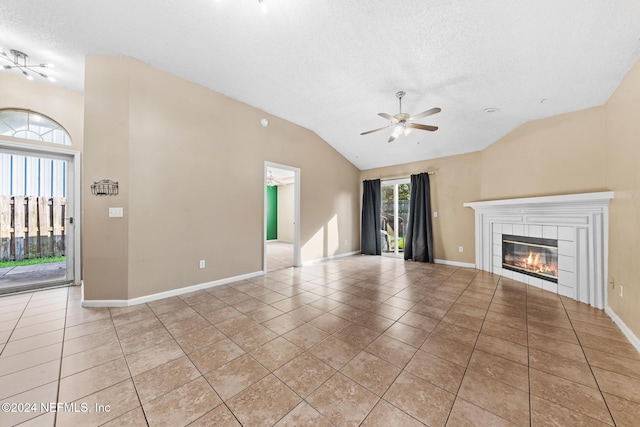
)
(402, 123)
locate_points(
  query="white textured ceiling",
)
(332, 65)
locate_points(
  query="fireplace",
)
(580, 223)
(532, 256)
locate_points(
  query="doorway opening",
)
(38, 205)
(395, 196)
(281, 216)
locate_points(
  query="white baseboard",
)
(454, 263)
(166, 294)
(319, 260)
(623, 327)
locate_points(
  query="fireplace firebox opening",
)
(531, 256)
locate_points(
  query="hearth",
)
(532, 256)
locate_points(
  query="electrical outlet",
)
(345, 242)
(621, 291)
(435, 214)
(202, 263)
(460, 248)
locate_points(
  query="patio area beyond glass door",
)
(395, 211)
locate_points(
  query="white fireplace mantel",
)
(578, 221)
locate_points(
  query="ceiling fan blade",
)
(422, 127)
(391, 138)
(388, 117)
(375, 130)
(430, 112)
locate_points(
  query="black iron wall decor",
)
(105, 187)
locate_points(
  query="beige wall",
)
(190, 163)
(455, 181)
(622, 165)
(285, 212)
(106, 156)
(558, 155)
(62, 105)
(585, 151)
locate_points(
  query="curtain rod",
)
(403, 177)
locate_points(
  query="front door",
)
(37, 227)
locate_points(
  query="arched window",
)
(29, 125)
(32, 176)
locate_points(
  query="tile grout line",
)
(338, 371)
(526, 317)
(306, 351)
(563, 378)
(395, 321)
(9, 338)
(144, 414)
(64, 331)
(269, 371)
(475, 343)
(588, 364)
(424, 341)
(16, 325)
(195, 366)
(427, 338)
(39, 364)
(417, 348)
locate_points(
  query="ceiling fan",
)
(402, 123)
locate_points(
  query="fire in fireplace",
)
(532, 256)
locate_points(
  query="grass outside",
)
(31, 261)
(400, 243)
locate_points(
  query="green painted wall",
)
(272, 212)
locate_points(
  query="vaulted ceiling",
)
(332, 66)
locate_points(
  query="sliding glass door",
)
(395, 210)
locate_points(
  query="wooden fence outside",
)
(31, 227)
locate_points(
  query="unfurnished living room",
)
(319, 213)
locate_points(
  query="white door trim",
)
(74, 178)
(297, 262)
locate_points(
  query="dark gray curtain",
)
(371, 205)
(419, 237)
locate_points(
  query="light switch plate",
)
(116, 212)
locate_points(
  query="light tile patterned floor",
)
(279, 255)
(362, 340)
